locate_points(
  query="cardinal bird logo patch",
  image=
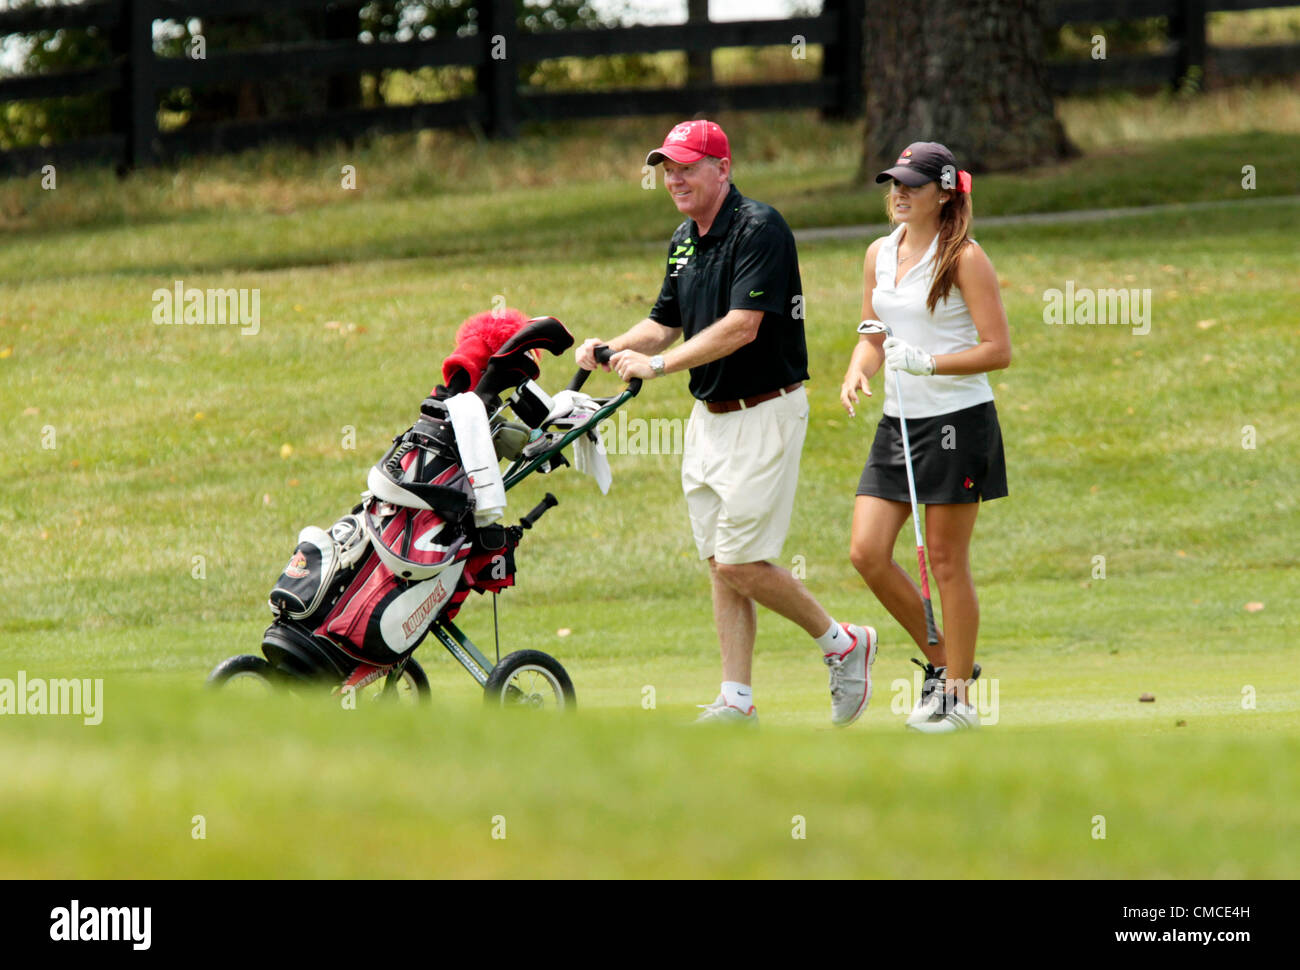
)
(968, 483)
(907, 153)
(297, 567)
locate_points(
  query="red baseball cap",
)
(689, 142)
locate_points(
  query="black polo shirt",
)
(746, 262)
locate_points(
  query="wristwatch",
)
(657, 365)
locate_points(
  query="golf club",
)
(931, 632)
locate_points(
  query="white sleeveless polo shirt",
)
(948, 330)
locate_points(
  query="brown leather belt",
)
(722, 407)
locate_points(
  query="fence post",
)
(343, 91)
(134, 106)
(498, 77)
(699, 64)
(842, 60)
(1187, 29)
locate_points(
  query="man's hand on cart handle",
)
(587, 356)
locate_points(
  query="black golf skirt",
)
(956, 457)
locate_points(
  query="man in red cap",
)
(732, 291)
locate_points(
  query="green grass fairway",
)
(155, 479)
(301, 789)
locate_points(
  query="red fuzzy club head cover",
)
(477, 340)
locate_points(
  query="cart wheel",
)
(247, 673)
(411, 688)
(530, 680)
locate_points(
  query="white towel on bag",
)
(573, 409)
(469, 422)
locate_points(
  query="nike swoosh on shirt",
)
(755, 292)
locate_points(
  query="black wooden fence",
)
(134, 76)
(1190, 49)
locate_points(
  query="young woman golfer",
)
(935, 290)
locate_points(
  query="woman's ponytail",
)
(954, 233)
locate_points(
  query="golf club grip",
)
(931, 631)
(602, 353)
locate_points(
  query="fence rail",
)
(135, 75)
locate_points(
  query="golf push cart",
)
(354, 602)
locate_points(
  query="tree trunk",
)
(967, 73)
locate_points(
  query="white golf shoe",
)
(931, 687)
(720, 712)
(947, 715)
(850, 675)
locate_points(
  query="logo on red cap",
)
(690, 141)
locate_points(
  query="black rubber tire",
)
(244, 664)
(498, 682)
(250, 664)
(423, 694)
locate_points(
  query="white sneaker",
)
(924, 708)
(931, 686)
(947, 714)
(720, 712)
(850, 675)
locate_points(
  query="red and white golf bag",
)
(375, 582)
(411, 551)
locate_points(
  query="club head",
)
(875, 326)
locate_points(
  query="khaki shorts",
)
(740, 471)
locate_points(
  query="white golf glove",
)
(911, 360)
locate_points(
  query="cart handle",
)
(518, 471)
(603, 353)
